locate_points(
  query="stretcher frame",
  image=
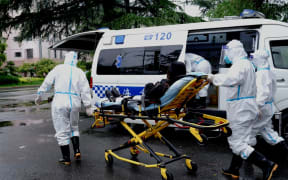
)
(167, 115)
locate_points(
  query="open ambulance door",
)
(86, 41)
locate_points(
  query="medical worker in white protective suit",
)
(70, 87)
(196, 63)
(240, 81)
(266, 89)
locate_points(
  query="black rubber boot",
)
(233, 170)
(66, 155)
(75, 142)
(268, 167)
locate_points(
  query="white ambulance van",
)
(130, 58)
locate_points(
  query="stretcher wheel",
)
(228, 132)
(134, 152)
(109, 160)
(204, 138)
(191, 166)
(166, 175)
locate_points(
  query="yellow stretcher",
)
(171, 111)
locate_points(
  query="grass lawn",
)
(25, 81)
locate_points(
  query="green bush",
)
(88, 76)
(85, 66)
(81, 65)
(27, 80)
(44, 66)
(27, 68)
(7, 79)
(9, 69)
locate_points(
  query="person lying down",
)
(152, 91)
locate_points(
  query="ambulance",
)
(130, 58)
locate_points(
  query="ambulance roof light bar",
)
(249, 13)
(246, 13)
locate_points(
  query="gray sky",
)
(191, 10)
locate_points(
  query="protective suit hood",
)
(197, 63)
(235, 51)
(71, 58)
(260, 59)
(192, 57)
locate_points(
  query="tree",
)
(66, 17)
(273, 9)
(3, 46)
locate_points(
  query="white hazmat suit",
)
(241, 109)
(196, 63)
(70, 86)
(266, 89)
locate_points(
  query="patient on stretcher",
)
(153, 92)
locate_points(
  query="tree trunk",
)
(108, 7)
(127, 6)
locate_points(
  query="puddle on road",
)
(23, 104)
(18, 123)
(23, 107)
(6, 123)
(25, 110)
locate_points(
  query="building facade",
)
(29, 51)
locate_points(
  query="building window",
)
(29, 53)
(18, 54)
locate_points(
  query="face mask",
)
(227, 60)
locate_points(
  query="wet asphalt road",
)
(28, 149)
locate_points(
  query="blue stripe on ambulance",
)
(99, 90)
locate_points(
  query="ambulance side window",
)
(118, 61)
(279, 51)
(157, 59)
(151, 61)
(142, 60)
